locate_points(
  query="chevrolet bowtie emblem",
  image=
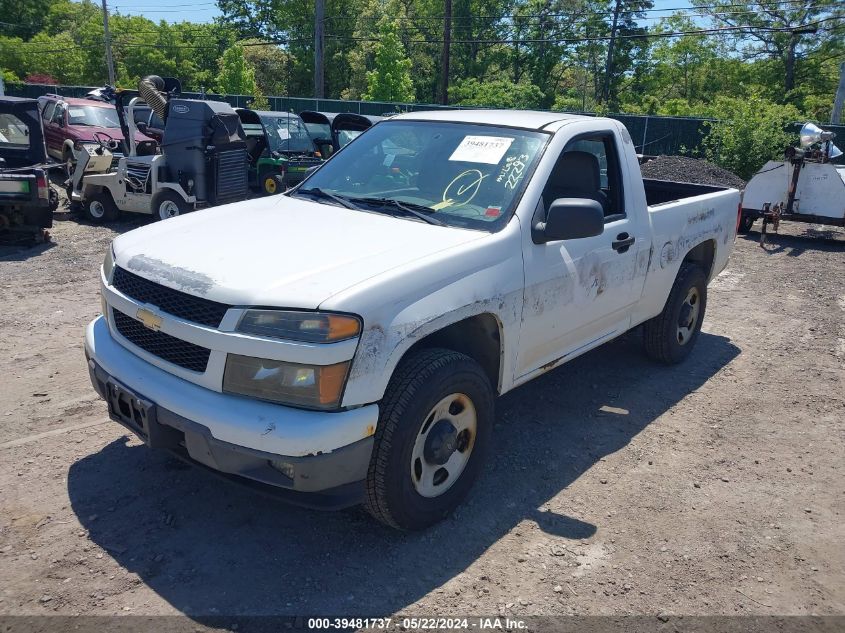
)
(151, 321)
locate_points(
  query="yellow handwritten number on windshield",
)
(465, 185)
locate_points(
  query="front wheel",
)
(168, 204)
(272, 184)
(434, 428)
(670, 336)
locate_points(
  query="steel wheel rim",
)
(96, 209)
(443, 445)
(168, 209)
(688, 317)
(269, 185)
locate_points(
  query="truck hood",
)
(278, 251)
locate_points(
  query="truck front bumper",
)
(198, 425)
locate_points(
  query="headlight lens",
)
(311, 386)
(309, 327)
(108, 263)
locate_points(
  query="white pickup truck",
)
(345, 343)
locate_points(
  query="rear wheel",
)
(100, 207)
(670, 336)
(433, 431)
(54, 198)
(168, 204)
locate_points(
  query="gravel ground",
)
(684, 169)
(617, 486)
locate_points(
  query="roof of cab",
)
(528, 119)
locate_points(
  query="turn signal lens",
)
(309, 327)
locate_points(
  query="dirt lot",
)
(618, 487)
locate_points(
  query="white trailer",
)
(804, 187)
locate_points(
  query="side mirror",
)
(570, 219)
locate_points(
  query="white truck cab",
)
(344, 343)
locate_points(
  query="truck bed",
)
(663, 191)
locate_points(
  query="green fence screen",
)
(652, 134)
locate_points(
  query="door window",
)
(58, 115)
(47, 114)
(589, 168)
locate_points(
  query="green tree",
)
(750, 131)
(237, 75)
(783, 32)
(390, 80)
(497, 93)
(271, 63)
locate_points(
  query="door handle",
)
(622, 243)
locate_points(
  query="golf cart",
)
(279, 148)
(332, 130)
(196, 157)
(27, 200)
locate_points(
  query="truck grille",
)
(174, 302)
(166, 347)
(231, 181)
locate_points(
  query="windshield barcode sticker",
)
(482, 149)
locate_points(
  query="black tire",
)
(168, 204)
(54, 198)
(100, 207)
(662, 335)
(420, 382)
(69, 161)
(271, 183)
(746, 221)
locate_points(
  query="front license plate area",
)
(131, 410)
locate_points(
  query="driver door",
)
(580, 293)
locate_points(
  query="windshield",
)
(319, 130)
(344, 137)
(93, 116)
(459, 174)
(287, 133)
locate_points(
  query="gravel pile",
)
(683, 169)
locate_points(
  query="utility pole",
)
(319, 77)
(447, 42)
(839, 101)
(107, 37)
(608, 67)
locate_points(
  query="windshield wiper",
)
(417, 210)
(325, 195)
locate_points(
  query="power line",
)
(599, 38)
(573, 13)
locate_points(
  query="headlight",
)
(108, 263)
(309, 327)
(311, 386)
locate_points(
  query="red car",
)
(69, 121)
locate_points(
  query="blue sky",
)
(206, 10)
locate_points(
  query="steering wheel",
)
(106, 141)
